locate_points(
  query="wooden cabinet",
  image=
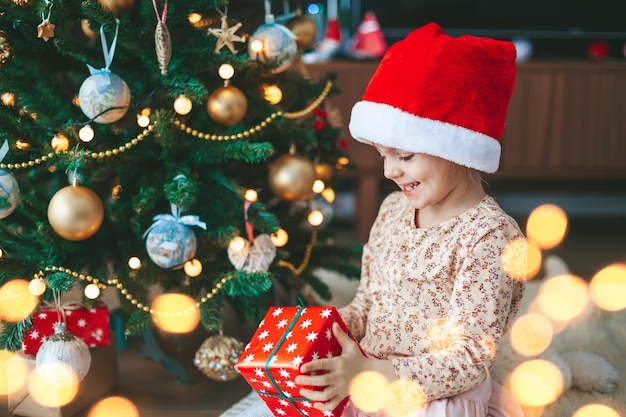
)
(566, 121)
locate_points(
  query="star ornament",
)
(45, 30)
(226, 36)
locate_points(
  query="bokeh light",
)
(193, 268)
(318, 186)
(16, 301)
(13, 372)
(531, 334)
(175, 313)
(405, 398)
(251, 195)
(315, 217)
(114, 406)
(536, 383)
(272, 94)
(92, 291)
(521, 259)
(86, 133)
(280, 238)
(546, 226)
(563, 297)
(53, 392)
(237, 244)
(369, 391)
(596, 410)
(182, 105)
(134, 262)
(329, 194)
(608, 287)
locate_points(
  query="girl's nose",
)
(391, 170)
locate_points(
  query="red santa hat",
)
(440, 95)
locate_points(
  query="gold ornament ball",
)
(227, 105)
(305, 30)
(217, 356)
(291, 177)
(117, 7)
(75, 212)
(86, 28)
(6, 48)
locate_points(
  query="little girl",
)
(434, 299)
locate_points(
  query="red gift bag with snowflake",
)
(91, 324)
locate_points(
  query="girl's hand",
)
(338, 372)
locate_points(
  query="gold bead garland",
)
(93, 155)
(305, 261)
(262, 125)
(120, 287)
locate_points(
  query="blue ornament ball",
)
(170, 244)
(9, 193)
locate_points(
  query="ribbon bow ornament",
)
(188, 220)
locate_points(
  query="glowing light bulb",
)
(315, 218)
(226, 71)
(143, 120)
(134, 263)
(329, 194)
(37, 286)
(182, 105)
(8, 99)
(343, 160)
(318, 186)
(92, 291)
(193, 268)
(237, 244)
(60, 142)
(194, 17)
(256, 46)
(86, 133)
(251, 195)
(280, 238)
(272, 94)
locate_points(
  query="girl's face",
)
(427, 181)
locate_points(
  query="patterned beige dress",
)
(436, 302)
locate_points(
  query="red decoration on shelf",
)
(368, 41)
(286, 338)
(598, 50)
(90, 324)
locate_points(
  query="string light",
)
(86, 133)
(182, 105)
(272, 94)
(226, 71)
(134, 263)
(329, 195)
(193, 268)
(251, 195)
(318, 186)
(315, 218)
(237, 244)
(92, 291)
(8, 99)
(256, 46)
(143, 118)
(280, 238)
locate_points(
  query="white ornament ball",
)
(524, 49)
(66, 349)
(273, 42)
(102, 91)
(9, 193)
(170, 244)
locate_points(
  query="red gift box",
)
(286, 338)
(89, 324)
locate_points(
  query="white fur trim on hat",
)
(376, 123)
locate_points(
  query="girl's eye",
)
(406, 157)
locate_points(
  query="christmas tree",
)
(175, 143)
